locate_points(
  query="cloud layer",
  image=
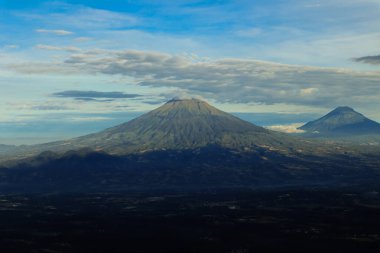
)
(224, 80)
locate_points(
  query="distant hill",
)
(343, 121)
(207, 167)
(6, 148)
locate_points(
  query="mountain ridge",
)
(183, 143)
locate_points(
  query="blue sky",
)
(80, 66)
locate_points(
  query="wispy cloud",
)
(87, 17)
(83, 39)
(56, 32)
(252, 32)
(49, 107)
(76, 16)
(94, 100)
(55, 48)
(90, 95)
(34, 107)
(89, 119)
(374, 60)
(11, 46)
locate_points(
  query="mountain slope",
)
(342, 121)
(178, 124)
(6, 148)
(181, 124)
(206, 167)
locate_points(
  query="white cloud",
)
(56, 32)
(308, 91)
(291, 128)
(55, 48)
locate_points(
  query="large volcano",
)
(177, 125)
(180, 124)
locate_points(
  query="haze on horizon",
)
(72, 67)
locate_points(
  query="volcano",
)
(176, 125)
(342, 121)
(181, 124)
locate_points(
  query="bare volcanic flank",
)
(179, 124)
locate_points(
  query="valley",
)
(338, 219)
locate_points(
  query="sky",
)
(69, 68)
